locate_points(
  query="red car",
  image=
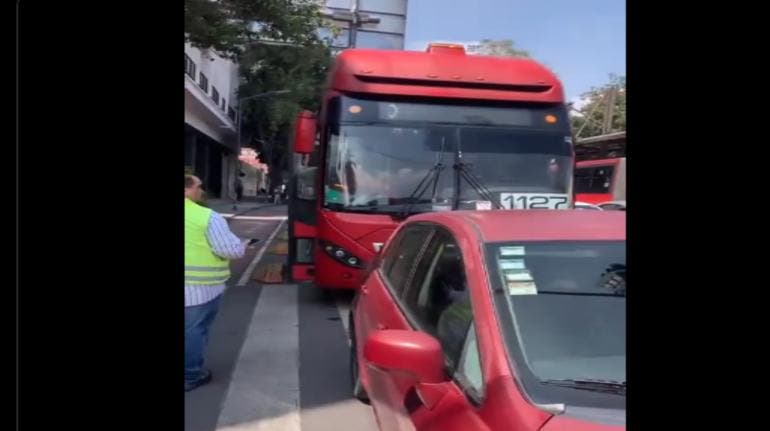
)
(495, 320)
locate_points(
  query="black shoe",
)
(205, 378)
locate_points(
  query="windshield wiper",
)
(463, 171)
(597, 385)
(435, 172)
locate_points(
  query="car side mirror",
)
(413, 352)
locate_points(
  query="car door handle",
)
(364, 289)
(381, 326)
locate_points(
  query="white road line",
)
(264, 390)
(343, 307)
(247, 274)
(242, 217)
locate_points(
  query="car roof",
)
(535, 225)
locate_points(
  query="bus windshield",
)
(377, 167)
(594, 179)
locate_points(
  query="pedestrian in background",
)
(238, 187)
(209, 244)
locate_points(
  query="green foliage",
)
(277, 46)
(230, 26)
(590, 120)
(500, 48)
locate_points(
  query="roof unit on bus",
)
(445, 48)
(455, 84)
(444, 71)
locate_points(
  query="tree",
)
(267, 121)
(230, 26)
(499, 48)
(207, 24)
(592, 118)
(278, 47)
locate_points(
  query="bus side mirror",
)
(304, 133)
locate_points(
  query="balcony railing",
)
(203, 82)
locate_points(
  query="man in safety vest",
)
(209, 244)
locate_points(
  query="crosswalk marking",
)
(241, 217)
(264, 389)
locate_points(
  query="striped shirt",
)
(224, 244)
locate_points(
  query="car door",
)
(437, 301)
(376, 306)
(379, 293)
(377, 309)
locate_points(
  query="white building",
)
(210, 102)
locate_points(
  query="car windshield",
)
(563, 312)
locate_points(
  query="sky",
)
(583, 42)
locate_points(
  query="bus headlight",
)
(341, 255)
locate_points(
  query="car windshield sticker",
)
(512, 264)
(518, 275)
(483, 205)
(522, 288)
(512, 251)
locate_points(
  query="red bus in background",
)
(600, 181)
(405, 132)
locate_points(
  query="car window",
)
(425, 266)
(470, 363)
(438, 299)
(399, 258)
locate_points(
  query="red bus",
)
(405, 132)
(600, 181)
